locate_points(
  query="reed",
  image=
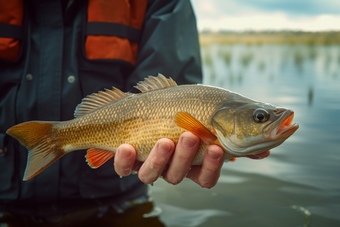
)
(275, 37)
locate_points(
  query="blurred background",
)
(285, 52)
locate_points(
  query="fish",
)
(104, 120)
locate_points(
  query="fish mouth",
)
(283, 127)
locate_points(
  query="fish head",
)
(251, 128)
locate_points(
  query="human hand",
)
(157, 164)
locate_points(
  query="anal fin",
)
(96, 157)
(189, 123)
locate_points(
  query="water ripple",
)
(177, 216)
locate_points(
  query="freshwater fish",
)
(163, 109)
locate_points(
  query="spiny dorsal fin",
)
(98, 100)
(154, 83)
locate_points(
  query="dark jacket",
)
(52, 75)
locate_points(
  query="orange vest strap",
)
(113, 29)
(11, 31)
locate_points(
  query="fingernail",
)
(164, 147)
(187, 142)
(124, 152)
(213, 156)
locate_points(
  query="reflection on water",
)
(298, 184)
(305, 212)
(175, 216)
(299, 60)
(310, 96)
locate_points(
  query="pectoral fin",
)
(97, 157)
(189, 123)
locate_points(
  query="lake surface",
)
(299, 183)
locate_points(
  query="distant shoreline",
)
(274, 37)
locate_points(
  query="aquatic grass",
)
(312, 52)
(273, 37)
(261, 66)
(246, 58)
(226, 56)
(298, 60)
(207, 59)
(310, 96)
(328, 60)
(240, 77)
(231, 77)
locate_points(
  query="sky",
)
(306, 15)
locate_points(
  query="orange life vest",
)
(113, 29)
(11, 29)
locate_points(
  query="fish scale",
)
(109, 118)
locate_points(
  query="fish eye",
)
(261, 115)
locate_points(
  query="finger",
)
(260, 155)
(157, 160)
(207, 175)
(180, 164)
(124, 159)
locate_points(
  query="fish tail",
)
(36, 137)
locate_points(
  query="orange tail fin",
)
(35, 136)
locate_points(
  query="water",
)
(299, 183)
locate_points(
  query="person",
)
(54, 53)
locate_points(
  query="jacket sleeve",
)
(169, 44)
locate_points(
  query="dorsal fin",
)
(98, 100)
(154, 83)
